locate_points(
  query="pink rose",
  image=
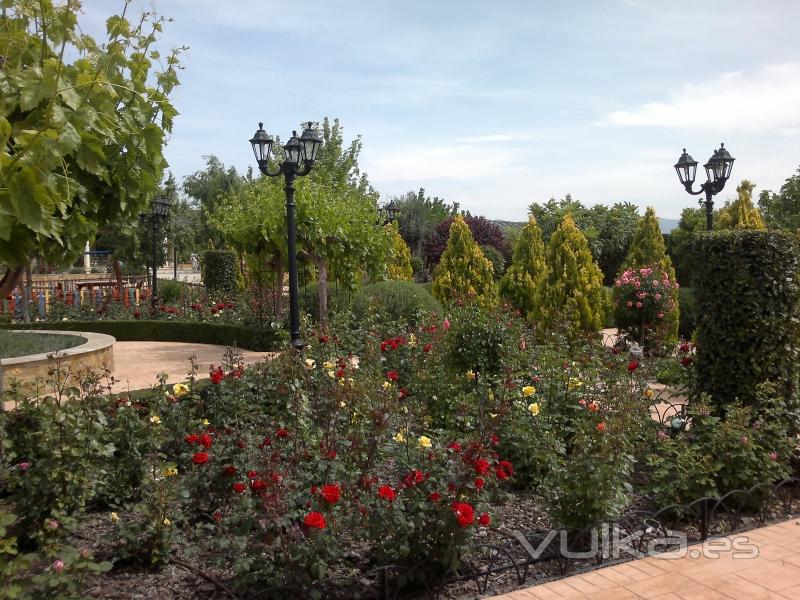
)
(58, 566)
(629, 304)
(660, 315)
(446, 324)
(658, 296)
(638, 305)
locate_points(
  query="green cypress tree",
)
(463, 272)
(648, 250)
(572, 288)
(519, 285)
(399, 266)
(741, 213)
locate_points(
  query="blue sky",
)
(496, 106)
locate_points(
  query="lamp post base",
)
(298, 344)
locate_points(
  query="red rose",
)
(239, 487)
(315, 520)
(392, 376)
(455, 447)
(414, 477)
(217, 516)
(252, 474)
(403, 393)
(331, 493)
(435, 497)
(427, 348)
(633, 365)
(206, 441)
(465, 515)
(686, 361)
(137, 314)
(258, 484)
(340, 373)
(685, 347)
(485, 520)
(217, 377)
(265, 442)
(200, 458)
(507, 466)
(481, 466)
(479, 483)
(494, 440)
(282, 433)
(230, 470)
(601, 427)
(387, 493)
(384, 345)
(323, 339)
(331, 454)
(501, 473)
(192, 439)
(451, 486)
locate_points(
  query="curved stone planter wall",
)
(96, 353)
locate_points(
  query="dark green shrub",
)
(747, 292)
(688, 319)
(259, 340)
(419, 270)
(338, 297)
(219, 272)
(169, 291)
(394, 301)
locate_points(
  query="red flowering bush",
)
(643, 300)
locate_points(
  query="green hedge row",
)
(168, 331)
(747, 292)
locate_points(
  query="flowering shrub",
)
(643, 300)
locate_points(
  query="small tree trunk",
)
(10, 280)
(27, 291)
(117, 274)
(322, 287)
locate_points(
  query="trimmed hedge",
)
(688, 315)
(747, 292)
(395, 301)
(219, 272)
(258, 340)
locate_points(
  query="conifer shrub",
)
(464, 273)
(747, 292)
(519, 285)
(399, 267)
(572, 289)
(220, 272)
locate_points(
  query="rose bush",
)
(643, 300)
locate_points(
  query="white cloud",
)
(766, 101)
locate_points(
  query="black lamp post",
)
(718, 170)
(159, 211)
(389, 212)
(299, 156)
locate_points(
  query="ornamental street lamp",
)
(159, 212)
(718, 170)
(299, 156)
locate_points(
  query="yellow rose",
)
(412, 340)
(205, 422)
(470, 375)
(169, 472)
(155, 420)
(331, 374)
(179, 389)
(399, 437)
(387, 385)
(114, 517)
(424, 442)
(490, 395)
(327, 364)
(528, 390)
(167, 522)
(533, 408)
(648, 393)
(310, 363)
(574, 383)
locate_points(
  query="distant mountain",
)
(668, 225)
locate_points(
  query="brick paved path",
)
(773, 575)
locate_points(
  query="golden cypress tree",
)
(399, 266)
(648, 250)
(463, 272)
(519, 285)
(741, 213)
(572, 288)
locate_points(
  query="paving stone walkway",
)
(772, 575)
(137, 364)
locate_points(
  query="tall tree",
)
(399, 266)
(782, 210)
(207, 188)
(419, 216)
(463, 273)
(336, 214)
(82, 128)
(572, 288)
(741, 213)
(519, 285)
